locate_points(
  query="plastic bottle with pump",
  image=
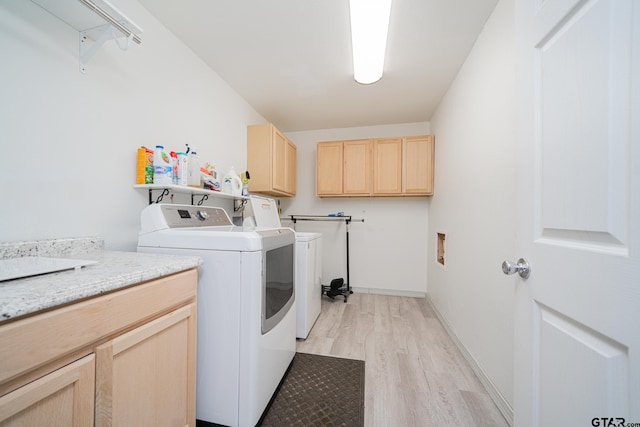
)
(194, 168)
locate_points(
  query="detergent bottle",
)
(231, 183)
(162, 168)
(183, 168)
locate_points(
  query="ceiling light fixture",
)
(369, 28)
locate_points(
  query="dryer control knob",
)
(202, 215)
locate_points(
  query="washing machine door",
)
(278, 292)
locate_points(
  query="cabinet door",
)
(259, 155)
(329, 168)
(418, 165)
(61, 398)
(357, 167)
(146, 377)
(279, 161)
(291, 153)
(387, 166)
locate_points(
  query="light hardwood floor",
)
(414, 373)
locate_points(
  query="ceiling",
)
(291, 59)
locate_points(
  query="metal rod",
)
(91, 5)
(348, 278)
(295, 218)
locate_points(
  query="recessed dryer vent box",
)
(440, 248)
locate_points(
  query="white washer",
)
(263, 212)
(246, 306)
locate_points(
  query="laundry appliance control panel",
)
(162, 216)
(195, 216)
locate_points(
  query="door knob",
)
(522, 267)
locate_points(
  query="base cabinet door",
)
(146, 377)
(62, 398)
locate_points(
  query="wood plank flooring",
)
(414, 373)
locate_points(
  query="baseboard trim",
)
(389, 292)
(503, 406)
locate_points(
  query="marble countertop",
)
(113, 270)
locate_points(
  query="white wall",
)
(387, 251)
(474, 128)
(69, 140)
(69, 144)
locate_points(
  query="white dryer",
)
(263, 212)
(246, 306)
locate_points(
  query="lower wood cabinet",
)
(122, 359)
(142, 377)
(63, 397)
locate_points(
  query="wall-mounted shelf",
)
(201, 193)
(96, 20)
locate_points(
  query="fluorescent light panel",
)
(369, 28)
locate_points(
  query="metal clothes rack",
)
(345, 290)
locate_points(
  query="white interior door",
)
(577, 342)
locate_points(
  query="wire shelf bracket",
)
(97, 20)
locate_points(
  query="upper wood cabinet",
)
(400, 166)
(357, 167)
(417, 155)
(271, 161)
(387, 166)
(343, 168)
(291, 155)
(329, 159)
